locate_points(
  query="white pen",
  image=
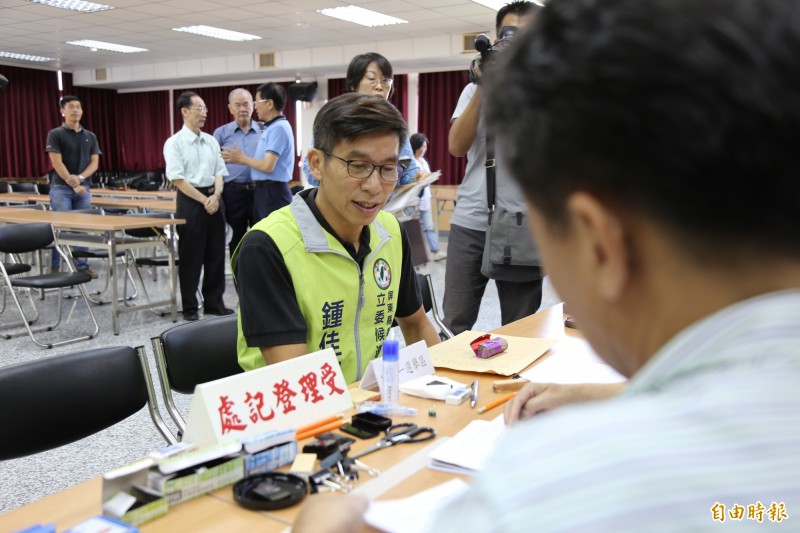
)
(474, 400)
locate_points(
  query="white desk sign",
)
(289, 394)
(413, 361)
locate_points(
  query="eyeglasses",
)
(259, 101)
(361, 170)
(387, 82)
(201, 109)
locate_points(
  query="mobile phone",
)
(361, 433)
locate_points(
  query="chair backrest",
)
(89, 211)
(25, 186)
(51, 402)
(145, 233)
(23, 238)
(193, 353)
(198, 352)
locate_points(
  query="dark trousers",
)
(270, 196)
(464, 284)
(201, 247)
(238, 212)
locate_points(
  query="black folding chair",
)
(24, 238)
(153, 261)
(58, 400)
(193, 353)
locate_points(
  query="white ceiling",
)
(286, 27)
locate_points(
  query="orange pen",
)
(318, 423)
(499, 401)
(320, 429)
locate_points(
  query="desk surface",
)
(152, 203)
(218, 512)
(133, 193)
(83, 221)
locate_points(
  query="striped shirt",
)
(713, 418)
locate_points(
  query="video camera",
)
(486, 58)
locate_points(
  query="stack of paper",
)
(468, 450)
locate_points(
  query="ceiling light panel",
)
(111, 47)
(74, 5)
(218, 33)
(26, 57)
(359, 15)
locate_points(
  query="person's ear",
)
(315, 162)
(603, 245)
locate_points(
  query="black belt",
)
(268, 183)
(206, 190)
(244, 186)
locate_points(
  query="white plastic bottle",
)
(391, 378)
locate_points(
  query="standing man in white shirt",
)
(196, 168)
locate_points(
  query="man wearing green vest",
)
(332, 269)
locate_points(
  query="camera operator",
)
(521, 293)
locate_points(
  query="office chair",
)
(24, 238)
(24, 186)
(58, 400)
(153, 261)
(429, 303)
(193, 353)
(96, 253)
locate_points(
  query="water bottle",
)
(391, 379)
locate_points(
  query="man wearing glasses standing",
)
(273, 164)
(195, 167)
(332, 270)
(242, 132)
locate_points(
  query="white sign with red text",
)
(289, 394)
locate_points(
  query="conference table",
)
(217, 511)
(83, 231)
(150, 203)
(133, 193)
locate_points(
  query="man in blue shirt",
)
(273, 163)
(242, 132)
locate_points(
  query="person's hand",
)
(73, 180)
(331, 513)
(535, 398)
(211, 204)
(234, 155)
(80, 190)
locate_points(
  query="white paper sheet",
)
(572, 360)
(415, 513)
(467, 451)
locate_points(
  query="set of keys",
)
(339, 472)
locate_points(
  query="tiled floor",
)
(30, 478)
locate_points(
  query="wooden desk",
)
(17, 197)
(153, 203)
(76, 504)
(107, 226)
(84, 499)
(133, 193)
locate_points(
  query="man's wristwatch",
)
(81, 178)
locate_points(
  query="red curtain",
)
(399, 96)
(29, 109)
(142, 126)
(438, 96)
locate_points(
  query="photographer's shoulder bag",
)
(509, 253)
